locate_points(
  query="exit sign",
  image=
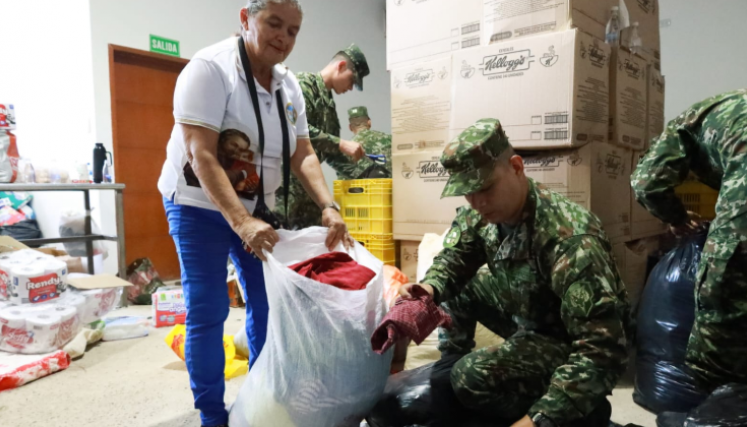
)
(164, 45)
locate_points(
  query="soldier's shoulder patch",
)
(452, 237)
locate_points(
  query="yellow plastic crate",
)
(382, 246)
(699, 198)
(366, 205)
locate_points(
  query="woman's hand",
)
(338, 231)
(258, 235)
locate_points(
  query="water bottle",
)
(613, 27)
(635, 44)
(99, 158)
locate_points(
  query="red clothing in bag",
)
(413, 318)
(337, 269)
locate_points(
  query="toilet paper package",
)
(42, 330)
(31, 277)
(44, 327)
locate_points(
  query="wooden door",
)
(142, 90)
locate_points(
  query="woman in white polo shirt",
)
(211, 182)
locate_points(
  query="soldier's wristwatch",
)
(540, 420)
(332, 205)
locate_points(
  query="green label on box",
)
(164, 45)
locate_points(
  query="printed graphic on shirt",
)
(236, 158)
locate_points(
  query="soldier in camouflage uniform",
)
(709, 140)
(550, 288)
(346, 70)
(373, 142)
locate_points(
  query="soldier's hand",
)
(405, 292)
(524, 422)
(352, 150)
(690, 226)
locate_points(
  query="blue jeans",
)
(204, 241)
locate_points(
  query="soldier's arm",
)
(321, 141)
(595, 313)
(458, 262)
(345, 167)
(664, 167)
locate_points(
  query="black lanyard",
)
(261, 210)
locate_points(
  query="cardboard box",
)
(642, 223)
(418, 180)
(419, 30)
(7, 116)
(655, 104)
(549, 91)
(595, 176)
(628, 111)
(409, 259)
(421, 106)
(508, 19)
(646, 13)
(632, 262)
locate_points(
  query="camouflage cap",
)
(357, 112)
(470, 157)
(359, 63)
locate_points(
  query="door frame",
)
(128, 55)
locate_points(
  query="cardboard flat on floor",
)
(510, 19)
(655, 104)
(642, 223)
(548, 91)
(418, 180)
(419, 30)
(595, 176)
(646, 13)
(99, 281)
(421, 106)
(409, 259)
(628, 86)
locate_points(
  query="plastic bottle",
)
(635, 44)
(612, 32)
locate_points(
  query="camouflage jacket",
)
(702, 140)
(374, 142)
(321, 113)
(557, 277)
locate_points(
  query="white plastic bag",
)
(317, 368)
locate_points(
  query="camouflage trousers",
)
(303, 211)
(717, 349)
(501, 381)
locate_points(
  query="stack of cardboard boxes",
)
(578, 110)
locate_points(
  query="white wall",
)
(329, 26)
(702, 50)
(45, 70)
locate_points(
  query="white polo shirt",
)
(212, 92)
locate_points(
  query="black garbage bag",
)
(725, 407)
(27, 229)
(423, 397)
(665, 318)
(375, 171)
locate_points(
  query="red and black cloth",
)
(414, 318)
